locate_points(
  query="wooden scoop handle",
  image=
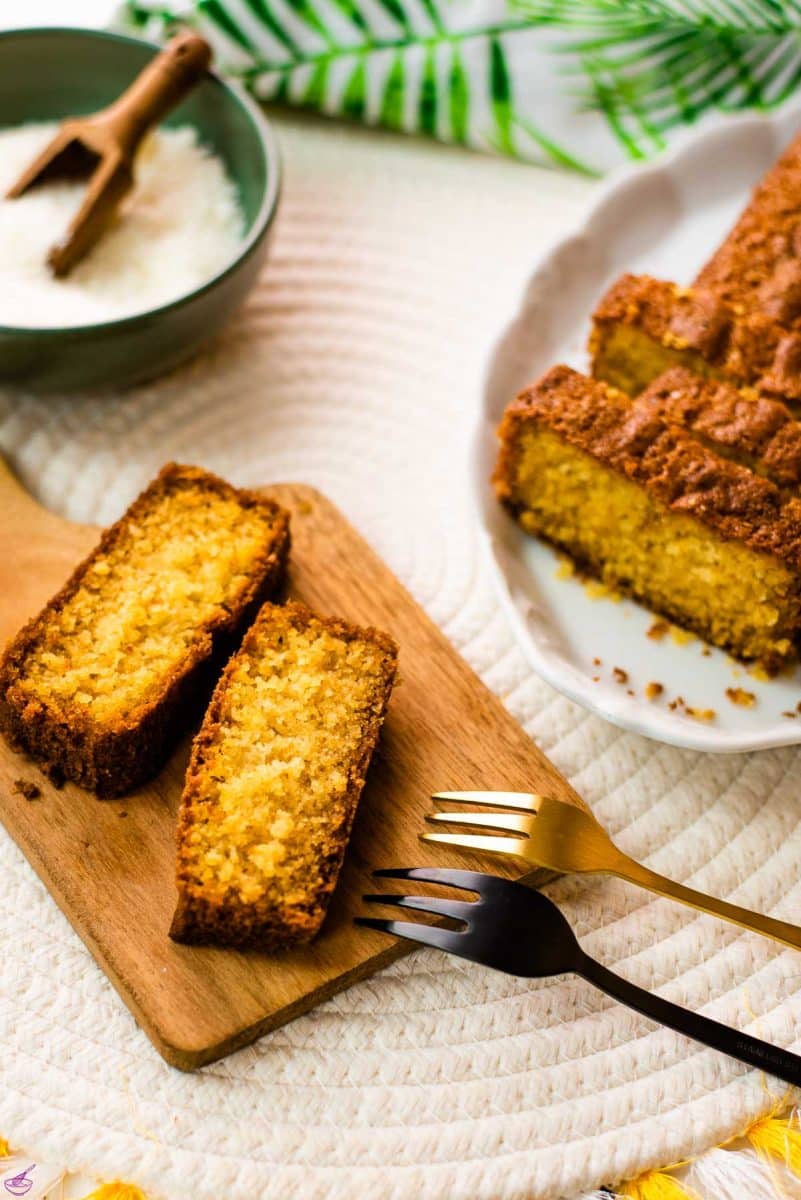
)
(162, 84)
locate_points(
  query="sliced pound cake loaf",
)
(654, 511)
(275, 777)
(100, 683)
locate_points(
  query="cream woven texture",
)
(356, 367)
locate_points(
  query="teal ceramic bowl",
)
(47, 74)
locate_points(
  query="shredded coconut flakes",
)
(179, 226)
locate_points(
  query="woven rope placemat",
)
(356, 366)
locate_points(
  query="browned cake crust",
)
(757, 269)
(273, 919)
(753, 430)
(750, 348)
(672, 465)
(116, 755)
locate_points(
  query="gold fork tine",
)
(514, 822)
(563, 837)
(471, 841)
(525, 800)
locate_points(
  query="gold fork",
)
(561, 837)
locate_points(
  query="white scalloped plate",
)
(664, 219)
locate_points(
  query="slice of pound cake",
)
(642, 326)
(739, 424)
(740, 319)
(644, 505)
(757, 268)
(100, 683)
(275, 777)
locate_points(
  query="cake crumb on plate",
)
(700, 714)
(658, 630)
(740, 696)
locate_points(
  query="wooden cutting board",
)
(109, 864)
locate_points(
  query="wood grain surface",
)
(109, 864)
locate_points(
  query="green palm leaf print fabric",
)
(581, 84)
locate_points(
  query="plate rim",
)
(629, 714)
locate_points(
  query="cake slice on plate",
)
(275, 778)
(757, 268)
(741, 318)
(739, 424)
(642, 326)
(647, 507)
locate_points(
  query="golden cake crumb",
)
(740, 696)
(653, 690)
(700, 714)
(26, 789)
(658, 630)
(597, 589)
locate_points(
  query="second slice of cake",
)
(642, 326)
(646, 506)
(752, 430)
(275, 778)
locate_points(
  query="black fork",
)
(518, 930)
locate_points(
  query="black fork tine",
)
(467, 881)
(426, 935)
(458, 909)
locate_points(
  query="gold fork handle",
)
(780, 931)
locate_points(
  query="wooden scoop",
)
(102, 147)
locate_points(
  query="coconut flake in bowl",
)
(180, 226)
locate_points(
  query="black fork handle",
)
(775, 1061)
